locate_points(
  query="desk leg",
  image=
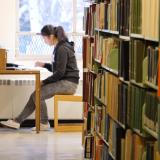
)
(37, 111)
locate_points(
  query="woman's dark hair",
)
(58, 32)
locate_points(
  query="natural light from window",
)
(34, 14)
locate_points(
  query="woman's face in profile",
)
(48, 40)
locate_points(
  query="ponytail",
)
(60, 34)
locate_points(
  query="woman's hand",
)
(39, 64)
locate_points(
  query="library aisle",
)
(26, 145)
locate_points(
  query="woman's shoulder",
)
(66, 46)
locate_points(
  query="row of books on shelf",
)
(136, 100)
(134, 147)
(122, 100)
(145, 18)
(125, 103)
(118, 104)
(107, 51)
(98, 150)
(120, 145)
(150, 119)
(101, 15)
(125, 16)
(137, 109)
(135, 60)
(104, 50)
(110, 139)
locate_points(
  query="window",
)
(34, 14)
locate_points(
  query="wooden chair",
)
(65, 127)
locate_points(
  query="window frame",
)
(74, 33)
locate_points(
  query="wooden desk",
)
(37, 90)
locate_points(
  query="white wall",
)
(8, 25)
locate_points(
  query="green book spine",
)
(134, 59)
(132, 105)
(135, 16)
(139, 51)
(139, 16)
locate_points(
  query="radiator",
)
(15, 92)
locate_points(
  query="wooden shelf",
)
(138, 84)
(116, 121)
(127, 38)
(138, 132)
(85, 70)
(151, 39)
(113, 157)
(110, 70)
(120, 124)
(99, 100)
(85, 118)
(122, 80)
(92, 71)
(139, 36)
(107, 31)
(152, 133)
(97, 60)
(149, 84)
(102, 138)
(91, 107)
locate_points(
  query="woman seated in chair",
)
(64, 79)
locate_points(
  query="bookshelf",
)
(148, 130)
(121, 53)
(127, 38)
(110, 70)
(100, 136)
(149, 84)
(107, 31)
(138, 36)
(122, 80)
(119, 123)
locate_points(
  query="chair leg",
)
(55, 113)
(65, 127)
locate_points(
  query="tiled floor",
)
(25, 144)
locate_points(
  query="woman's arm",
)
(48, 66)
(60, 69)
(44, 65)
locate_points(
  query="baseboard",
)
(31, 122)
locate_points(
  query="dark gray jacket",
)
(64, 66)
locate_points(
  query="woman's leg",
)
(30, 108)
(47, 91)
